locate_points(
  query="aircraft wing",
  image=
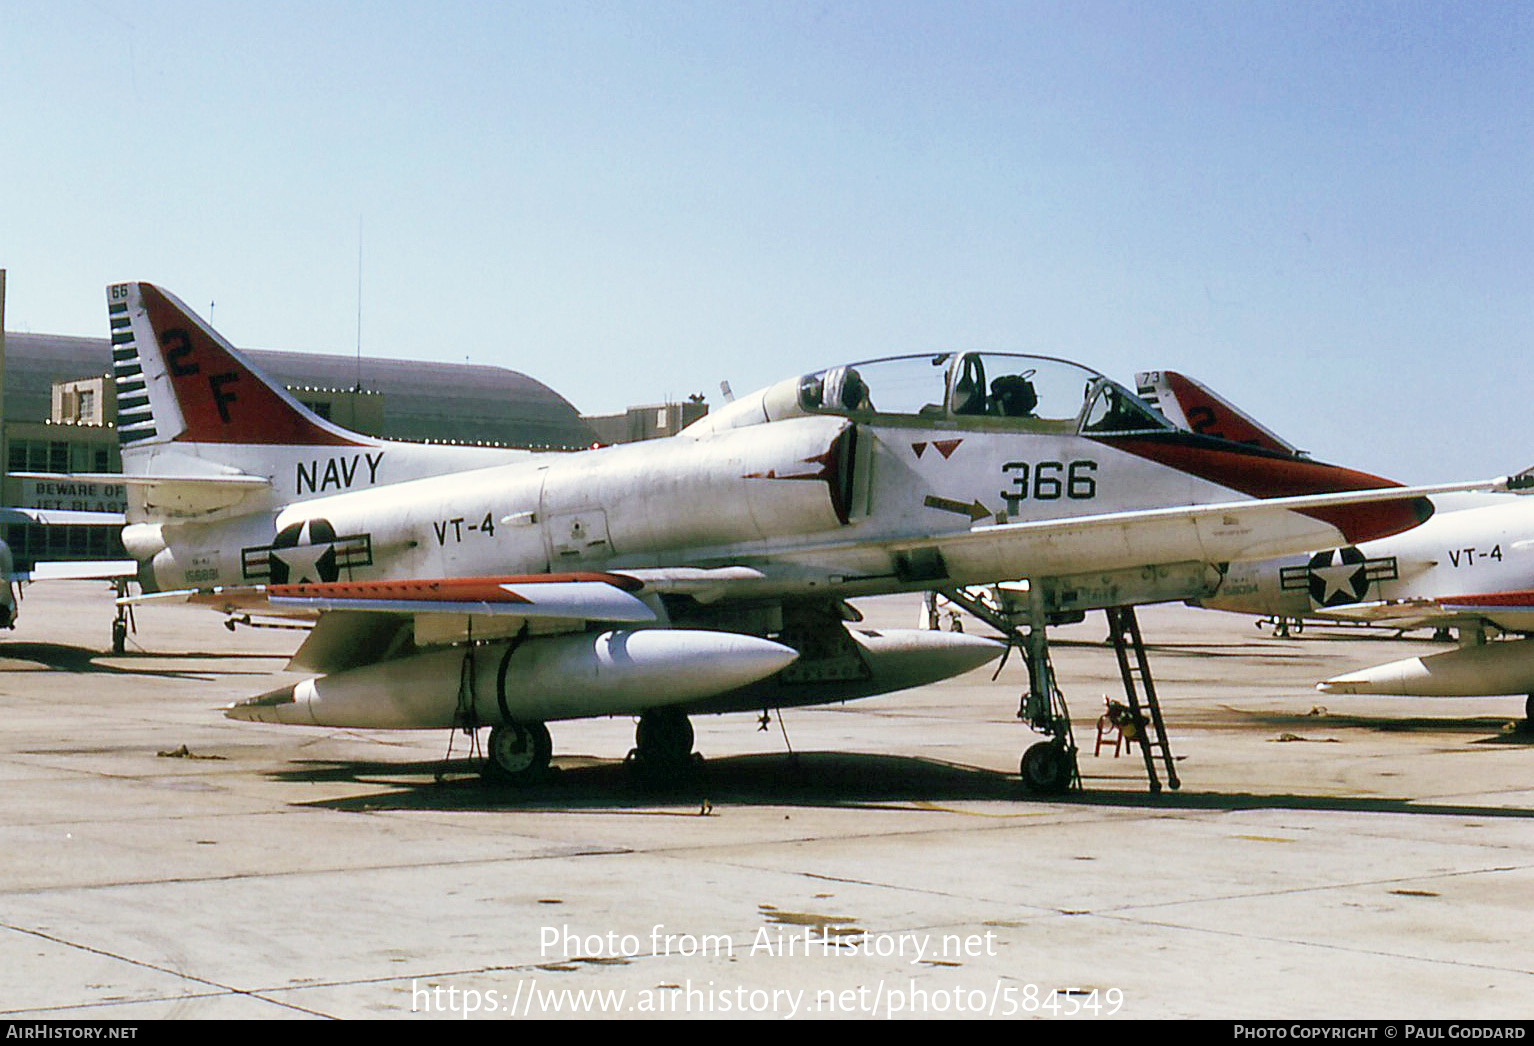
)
(1509, 611)
(230, 599)
(359, 622)
(1227, 531)
(352, 624)
(578, 597)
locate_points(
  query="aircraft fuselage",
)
(829, 501)
(1468, 552)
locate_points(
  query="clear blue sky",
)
(1323, 210)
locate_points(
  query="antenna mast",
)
(357, 387)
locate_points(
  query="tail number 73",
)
(1048, 481)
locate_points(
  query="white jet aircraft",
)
(1469, 569)
(705, 572)
(10, 603)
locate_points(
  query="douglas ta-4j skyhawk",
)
(456, 588)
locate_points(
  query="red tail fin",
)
(1197, 408)
(177, 379)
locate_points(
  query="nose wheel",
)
(1049, 768)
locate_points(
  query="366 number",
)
(1049, 481)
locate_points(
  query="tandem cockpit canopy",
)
(1029, 393)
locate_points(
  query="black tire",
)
(1048, 769)
(518, 753)
(664, 737)
(663, 747)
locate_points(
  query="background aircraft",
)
(1193, 406)
(1469, 569)
(705, 572)
(10, 604)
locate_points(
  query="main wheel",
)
(518, 753)
(663, 742)
(1048, 768)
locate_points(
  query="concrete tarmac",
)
(1326, 856)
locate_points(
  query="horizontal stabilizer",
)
(166, 496)
(191, 497)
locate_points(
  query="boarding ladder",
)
(1124, 633)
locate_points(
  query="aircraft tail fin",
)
(205, 434)
(1193, 406)
(178, 380)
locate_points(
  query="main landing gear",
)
(519, 754)
(663, 744)
(123, 623)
